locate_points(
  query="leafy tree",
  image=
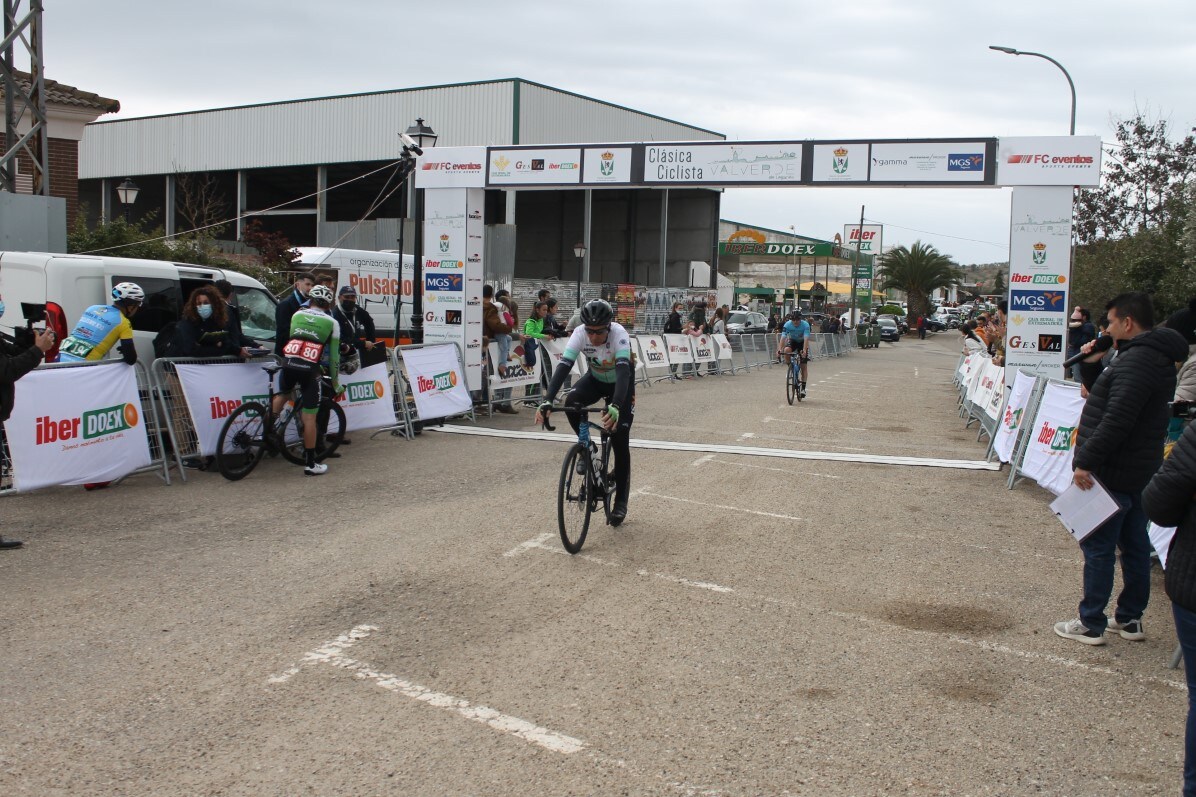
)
(999, 283)
(1137, 231)
(919, 270)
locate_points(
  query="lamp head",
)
(1000, 49)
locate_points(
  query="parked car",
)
(746, 323)
(935, 323)
(899, 320)
(887, 327)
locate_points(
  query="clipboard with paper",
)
(1083, 511)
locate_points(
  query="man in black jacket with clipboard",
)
(1120, 442)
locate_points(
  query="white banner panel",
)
(703, 348)
(453, 268)
(554, 349)
(1039, 280)
(452, 167)
(653, 351)
(368, 398)
(871, 239)
(1049, 160)
(1053, 436)
(606, 166)
(992, 408)
(680, 349)
(724, 347)
(723, 163)
(213, 392)
(1006, 437)
(986, 383)
(437, 384)
(75, 426)
(518, 373)
(535, 167)
(840, 163)
(920, 162)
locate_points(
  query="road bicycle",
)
(253, 430)
(794, 386)
(587, 481)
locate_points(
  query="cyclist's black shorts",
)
(796, 346)
(588, 390)
(308, 380)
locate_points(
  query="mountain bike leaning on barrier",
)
(254, 429)
(607, 349)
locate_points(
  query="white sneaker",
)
(318, 469)
(1131, 630)
(1074, 629)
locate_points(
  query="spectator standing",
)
(971, 343)
(534, 331)
(494, 325)
(772, 323)
(1080, 330)
(1168, 501)
(234, 314)
(673, 325)
(921, 327)
(357, 325)
(15, 362)
(698, 316)
(203, 330)
(287, 308)
(552, 325)
(1184, 322)
(1120, 441)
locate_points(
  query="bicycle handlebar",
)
(578, 410)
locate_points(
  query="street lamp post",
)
(579, 251)
(127, 193)
(1071, 85)
(424, 137)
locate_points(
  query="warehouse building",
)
(319, 170)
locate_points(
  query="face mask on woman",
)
(204, 310)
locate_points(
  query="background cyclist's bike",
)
(587, 481)
(253, 430)
(794, 387)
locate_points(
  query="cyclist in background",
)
(103, 325)
(795, 339)
(607, 349)
(312, 350)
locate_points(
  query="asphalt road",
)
(410, 625)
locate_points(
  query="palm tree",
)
(919, 270)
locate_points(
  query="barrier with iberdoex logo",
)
(679, 350)
(435, 375)
(1052, 436)
(1005, 440)
(82, 423)
(725, 355)
(655, 354)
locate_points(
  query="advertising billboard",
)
(712, 164)
(1049, 160)
(840, 163)
(606, 166)
(534, 167)
(452, 167)
(928, 162)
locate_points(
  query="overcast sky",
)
(753, 69)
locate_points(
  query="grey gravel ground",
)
(758, 626)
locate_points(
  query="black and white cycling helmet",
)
(350, 363)
(128, 292)
(597, 313)
(321, 294)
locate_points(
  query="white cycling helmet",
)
(128, 292)
(321, 293)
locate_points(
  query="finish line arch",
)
(1041, 170)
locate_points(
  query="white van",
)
(383, 287)
(68, 284)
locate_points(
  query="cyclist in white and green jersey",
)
(312, 350)
(607, 349)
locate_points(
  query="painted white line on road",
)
(778, 470)
(528, 731)
(533, 543)
(338, 645)
(702, 460)
(332, 653)
(746, 436)
(715, 448)
(645, 491)
(707, 585)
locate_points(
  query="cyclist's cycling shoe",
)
(580, 467)
(318, 469)
(618, 512)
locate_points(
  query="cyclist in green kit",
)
(312, 351)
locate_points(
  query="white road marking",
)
(332, 653)
(338, 645)
(746, 436)
(702, 460)
(524, 546)
(686, 581)
(715, 448)
(778, 470)
(645, 491)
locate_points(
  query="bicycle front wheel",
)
(573, 505)
(242, 441)
(790, 384)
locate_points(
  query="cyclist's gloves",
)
(545, 408)
(612, 412)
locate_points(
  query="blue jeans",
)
(1185, 628)
(1125, 530)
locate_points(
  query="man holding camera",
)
(15, 362)
(1120, 442)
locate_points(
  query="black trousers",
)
(587, 391)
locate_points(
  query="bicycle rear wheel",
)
(573, 504)
(242, 441)
(790, 387)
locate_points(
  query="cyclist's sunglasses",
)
(599, 331)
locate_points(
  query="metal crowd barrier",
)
(153, 428)
(407, 414)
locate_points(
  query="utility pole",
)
(855, 269)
